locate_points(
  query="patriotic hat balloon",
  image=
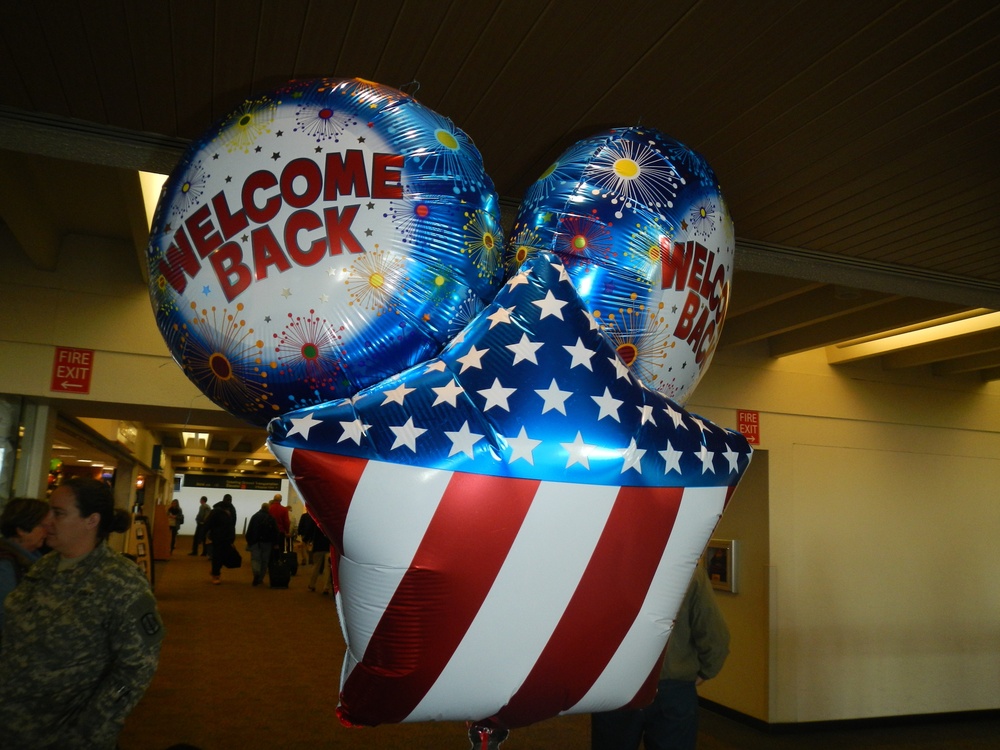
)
(318, 239)
(643, 230)
(516, 519)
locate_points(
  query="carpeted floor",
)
(251, 668)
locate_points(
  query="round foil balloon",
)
(318, 239)
(640, 223)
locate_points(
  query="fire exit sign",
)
(749, 425)
(71, 370)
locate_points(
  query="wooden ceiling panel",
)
(402, 60)
(65, 31)
(367, 29)
(277, 46)
(151, 52)
(235, 42)
(192, 46)
(24, 35)
(320, 40)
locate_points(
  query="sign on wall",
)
(748, 423)
(232, 482)
(71, 370)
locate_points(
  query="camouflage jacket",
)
(79, 648)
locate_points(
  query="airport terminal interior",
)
(843, 322)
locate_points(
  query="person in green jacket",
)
(82, 636)
(696, 650)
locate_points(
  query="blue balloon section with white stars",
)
(640, 223)
(317, 240)
(530, 389)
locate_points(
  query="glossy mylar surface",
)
(317, 240)
(516, 519)
(641, 225)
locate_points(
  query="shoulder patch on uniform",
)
(150, 623)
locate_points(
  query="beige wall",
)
(884, 593)
(871, 585)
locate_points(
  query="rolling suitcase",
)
(278, 573)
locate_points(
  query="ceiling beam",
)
(971, 363)
(92, 143)
(862, 273)
(817, 305)
(938, 351)
(893, 313)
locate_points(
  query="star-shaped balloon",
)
(515, 520)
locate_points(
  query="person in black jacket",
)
(221, 525)
(320, 546)
(262, 535)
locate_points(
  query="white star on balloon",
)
(673, 459)
(463, 440)
(633, 457)
(353, 431)
(406, 434)
(517, 279)
(524, 350)
(448, 393)
(473, 358)
(554, 398)
(563, 275)
(502, 315)
(733, 458)
(579, 452)
(621, 369)
(522, 446)
(550, 306)
(647, 413)
(676, 416)
(581, 355)
(302, 425)
(397, 394)
(609, 405)
(496, 395)
(707, 458)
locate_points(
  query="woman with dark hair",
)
(82, 635)
(175, 518)
(23, 535)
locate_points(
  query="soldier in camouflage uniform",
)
(82, 636)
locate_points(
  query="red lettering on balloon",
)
(267, 252)
(309, 171)
(261, 180)
(233, 274)
(229, 223)
(684, 323)
(345, 175)
(202, 231)
(179, 261)
(387, 176)
(338, 230)
(304, 221)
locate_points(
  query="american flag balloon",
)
(516, 519)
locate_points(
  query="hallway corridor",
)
(255, 668)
